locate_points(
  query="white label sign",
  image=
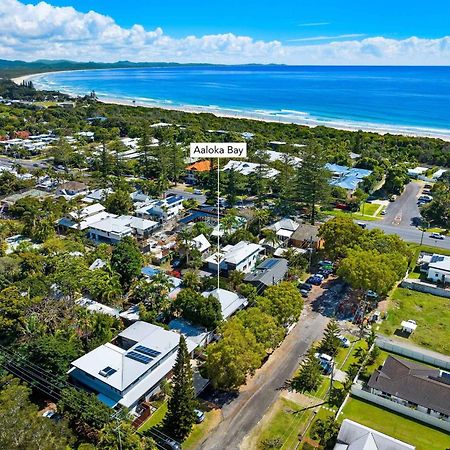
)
(218, 149)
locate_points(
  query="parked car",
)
(362, 224)
(392, 198)
(344, 341)
(199, 416)
(166, 443)
(306, 286)
(325, 272)
(325, 263)
(383, 212)
(198, 192)
(437, 236)
(304, 293)
(325, 361)
(314, 279)
(372, 295)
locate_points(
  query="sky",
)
(376, 32)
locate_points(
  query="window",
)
(107, 372)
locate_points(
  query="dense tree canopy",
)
(22, 428)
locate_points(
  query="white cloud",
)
(313, 24)
(326, 38)
(32, 32)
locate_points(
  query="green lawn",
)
(430, 249)
(431, 313)
(351, 359)
(369, 209)
(285, 425)
(397, 426)
(340, 213)
(156, 418)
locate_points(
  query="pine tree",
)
(313, 178)
(309, 375)
(330, 342)
(231, 188)
(180, 414)
(145, 157)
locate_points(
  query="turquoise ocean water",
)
(409, 99)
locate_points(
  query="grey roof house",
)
(415, 385)
(271, 271)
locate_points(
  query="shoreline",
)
(381, 129)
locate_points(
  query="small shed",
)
(408, 326)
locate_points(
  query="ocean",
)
(409, 100)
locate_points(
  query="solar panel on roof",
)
(138, 357)
(147, 351)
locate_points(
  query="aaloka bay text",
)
(218, 149)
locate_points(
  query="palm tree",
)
(191, 280)
(229, 222)
(185, 242)
(262, 218)
(271, 237)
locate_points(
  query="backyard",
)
(397, 426)
(431, 313)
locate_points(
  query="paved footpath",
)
(263, 389)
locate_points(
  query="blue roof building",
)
(345, 177)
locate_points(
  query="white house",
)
(273, 156)
(354, 436)
(246, 168)
(230, 302)
(93, 306)
(439, 268)
(129, 370)
(201, 243)
(242, 256)
(97, 195)
(163, 210)
(284, 229)
(83, 218)
(113, 229)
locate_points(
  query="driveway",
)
(401, 212)
(243, 413)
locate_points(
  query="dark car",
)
(306, 286)
(304, 293)
(315, 280)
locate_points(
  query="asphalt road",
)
(242, 414)
(27, 164)
(200, 198)
(404, 209)
(398, 219)
(410, 234)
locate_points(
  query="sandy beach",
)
(263, 116)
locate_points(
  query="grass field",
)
(340, 213)
(431, 313)
(430, 249)
(400, 427)
(369, 209)
(156, 418)
(285, 424)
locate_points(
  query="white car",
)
(437, 236)
(324, 357)
(344, 341)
